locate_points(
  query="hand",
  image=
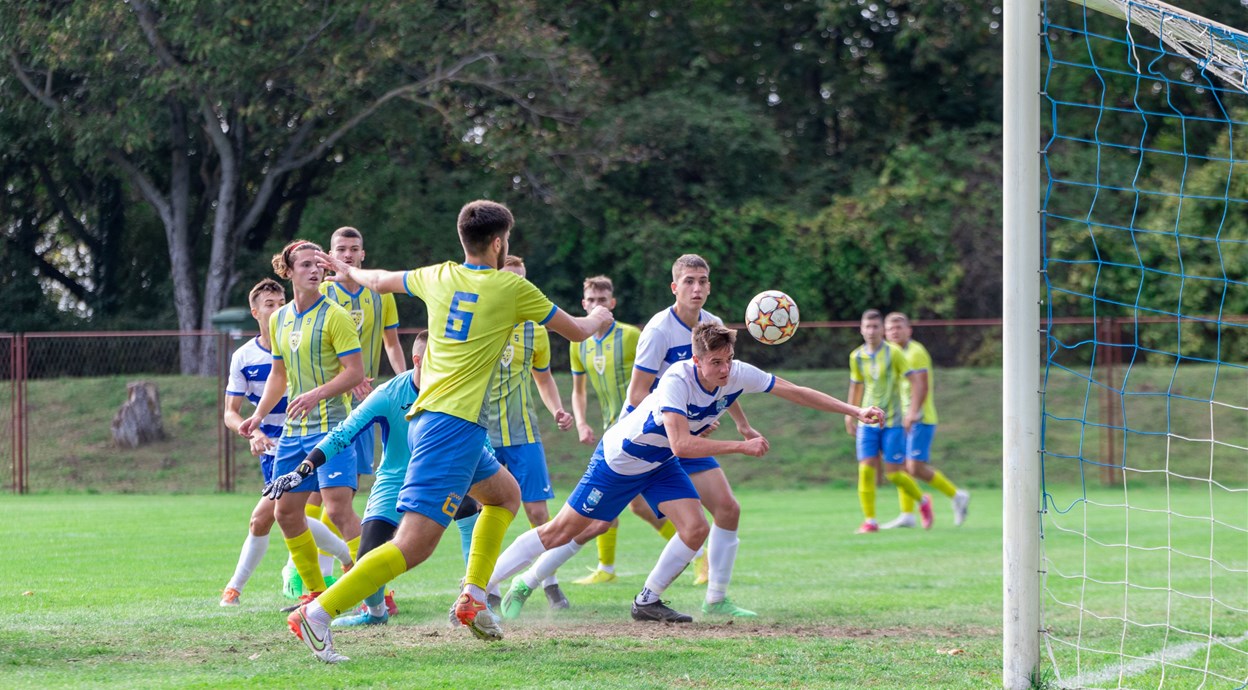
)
(302, 404)
(869, 415)
(329, 263)
(585, 434)
(909, 420)
(563, 419)
(248, 426)
(747, 432)
(362, 390)
(710, 429)
(604, 316)
(288, 481)
(260, 444)
(756, 447)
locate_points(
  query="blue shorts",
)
(383, 499)
(448, 457)
(527, 463)
(365, 449)
(889, 442)
(919, 442)
(266, 467)
(696, 465)
(337, 471)
(602, 493)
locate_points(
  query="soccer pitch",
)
(121, 591)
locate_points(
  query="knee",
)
(555, 533)
(727, 514)
(261, 523)
(694, 535)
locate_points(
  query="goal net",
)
(1144, 402)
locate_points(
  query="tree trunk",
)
(138, 420)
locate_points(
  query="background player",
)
(920, 419)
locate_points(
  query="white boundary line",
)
(1137, 666)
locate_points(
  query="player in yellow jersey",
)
(876, 369)
(606, 361)
(513, 420)
(920, 419)
(472, 308)
(316, 363)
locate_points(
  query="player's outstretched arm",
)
(578, 328)
(685, 445)
(372, 278)
(809, 397)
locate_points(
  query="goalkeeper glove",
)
(288, 481)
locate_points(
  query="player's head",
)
(691, 281)
(515, 264)
(598, 291)
(297, 263)
(872, 327)
(897, 328)
(347, 245)
(266, 297)
(418, 348)
(713, 350)
(484, 227)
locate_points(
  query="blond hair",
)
(598, 283)
(708, 337)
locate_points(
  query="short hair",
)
(872, 315)
(420, 342)
(598, 283)
(896, 316)
(513, 260)
(268, 285)
(346, 231)
(480, 222)
(688, 261)
(283, 261)
(709, 336)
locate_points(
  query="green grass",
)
(120, 591)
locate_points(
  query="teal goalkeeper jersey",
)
(387, 406)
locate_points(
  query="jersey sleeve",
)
(277, 347)
(416, 281)
(342, 333)
(541, 349)
(236, 384)
(901, 364)
(531, 304)
(389, 312)
(919, 358)
(574, 359)
(753, 379)
(671, 395)
(372, 410)
(651, 348)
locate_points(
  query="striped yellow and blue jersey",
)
(372, 313)
(472, 310)
(608, 363)
(918, 359)
(513, 417)
(880, 374)
(309, 344)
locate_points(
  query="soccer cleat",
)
(701, 570)
(483, 622)
(596, 577)
(493, 601)
(724, 607)
(556, 597)
(960, 500)
(925, 512)
(316, 637)
(660, 612)
(868, 527)
(292, 584)
(391, 607)
(229, 597)
(305, 599)
(360, 619)
(903, 520)
(514, 599)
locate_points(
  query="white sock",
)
(672, 561)
(544, 567)
(317, 614)
(722, 550)
(326, 563)
(523, 551)
(326, 540)
(606, 568)
(553, 579)
(253, 550)
(378, 610)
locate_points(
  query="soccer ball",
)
(771, 317)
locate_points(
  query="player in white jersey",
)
(666, 340)
(249, 369)
(638, 456)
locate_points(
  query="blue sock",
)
(376, 599)
(465, 526)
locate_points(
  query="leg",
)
(293, 521)
(339, 509)
(691, 532)
(373, 534)
(721, 552)
(550, 538)
(254, 548)
(605, 572)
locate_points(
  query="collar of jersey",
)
(475, 267)
(676, 316)
(604, 335)
(300, 314)
(340, 286)
(257, 339)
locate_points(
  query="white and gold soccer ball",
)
(771, 317)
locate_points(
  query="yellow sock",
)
(606, 546)
(303, 553)
(668, 530)
(354, 546)
(323, 516)
(908, 504)
(487, 541)
(866, 490)
(378, 567)
(907, 484)
(312, 511)
(942, 484)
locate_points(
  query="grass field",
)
(121, 591)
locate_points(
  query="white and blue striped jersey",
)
(665, 341)
(638, 443)
(249, 369)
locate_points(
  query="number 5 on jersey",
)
(459, 320)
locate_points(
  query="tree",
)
(215, 114)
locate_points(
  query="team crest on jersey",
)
(357, 317)
(594, 496)
(296, 337)
(600, 364)
(508, 353)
